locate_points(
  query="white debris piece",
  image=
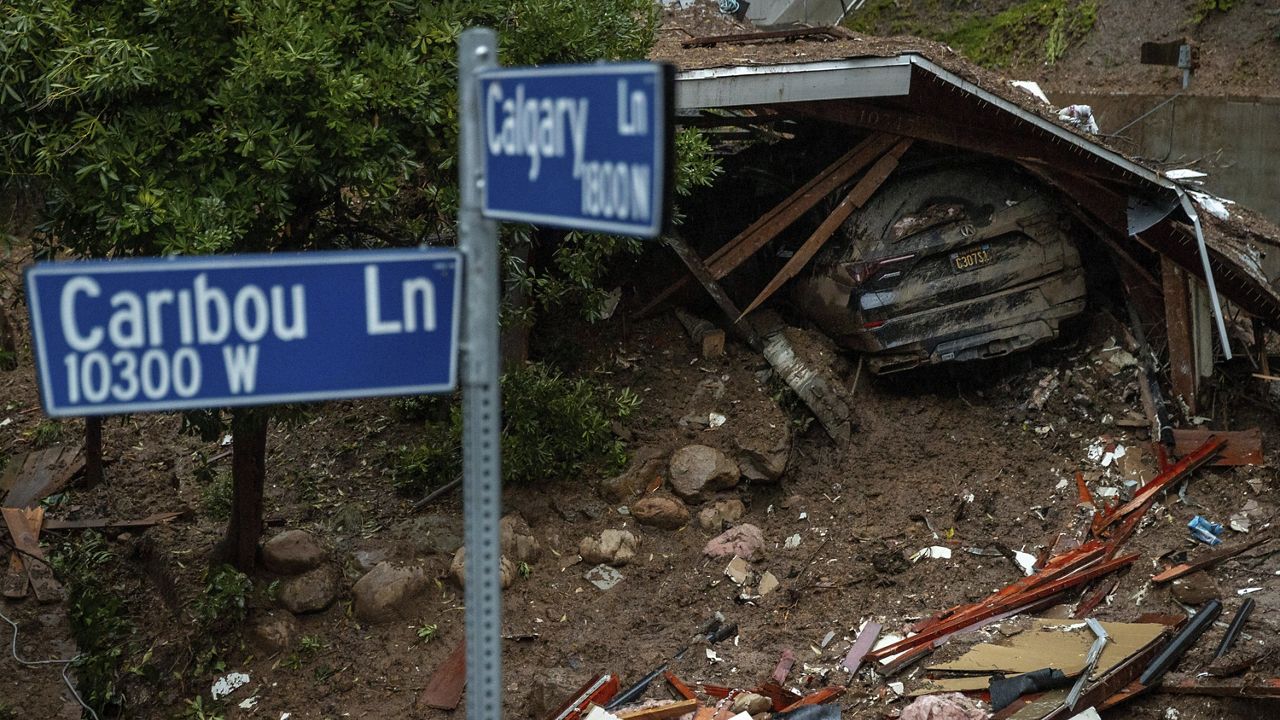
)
(1215, 206)
(599, 713)
(1032, 88)
(712, 656)
(934, 552)
(1080, 116)
(227, 684)
(610, 303)
(1247, 591)
(1184, 174)
(715, 420)
(248, 703)
(1090, 714)
(791, 543)
(1026, 561)
(898, 688)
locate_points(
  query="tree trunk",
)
(92, 451)
(248, 470)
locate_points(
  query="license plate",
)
(972, 259)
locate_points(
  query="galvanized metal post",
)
(481, 400)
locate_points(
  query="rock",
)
(889, 562)
(697, 470)
(713, 519)
(517, 539)
(751, 703)
(744, 541)
(613, 547)
(292, 552)
(311, 591)
(646, 466)
(427, 534)
(273, 632)
(1194, 589)
(764, 459)
(366, 560)
(603, 577)
(385, 591)
(667, 513)
(506, 571)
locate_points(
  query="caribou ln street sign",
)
(131, 335)
(578, 146)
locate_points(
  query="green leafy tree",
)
(155, 127)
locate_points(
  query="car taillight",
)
(864, 271)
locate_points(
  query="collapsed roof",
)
(923, 90)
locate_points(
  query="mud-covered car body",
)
(947, 264)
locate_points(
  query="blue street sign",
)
(122, 336)
(578, 146)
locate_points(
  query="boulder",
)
(292, 552)
(646, 466)
(613, 547)
(385, 591)
(697, 470)
(713, 518)
(427, 534)
(458, 568)
(273, 632)
(659, 511)
(309, 592)
(744, 541)
(517, 539)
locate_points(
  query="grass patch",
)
(1029, 31)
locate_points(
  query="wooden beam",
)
(746, 243)
(856, 198)
(1177, 313)
(708, 337)
(1244, 447)
(700, 271)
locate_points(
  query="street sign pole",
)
(481, 401)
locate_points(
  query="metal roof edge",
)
(727, 71)
(1011, 107)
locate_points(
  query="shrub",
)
(553, 427)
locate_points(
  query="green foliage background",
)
(154, 127)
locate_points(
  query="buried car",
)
(951, 263)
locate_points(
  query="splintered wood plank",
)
(44, 473)
(24, 526)
(746, 243)
(857, 197)
(15, 579)
(94, 523)
(444, 689)
(1244, 447)
(660, 712)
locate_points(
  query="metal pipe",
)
(1237, 623)
(1182, 642)
(1095, 652)
(481, 394)
(1190, 209)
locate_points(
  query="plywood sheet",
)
(1060, 644)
